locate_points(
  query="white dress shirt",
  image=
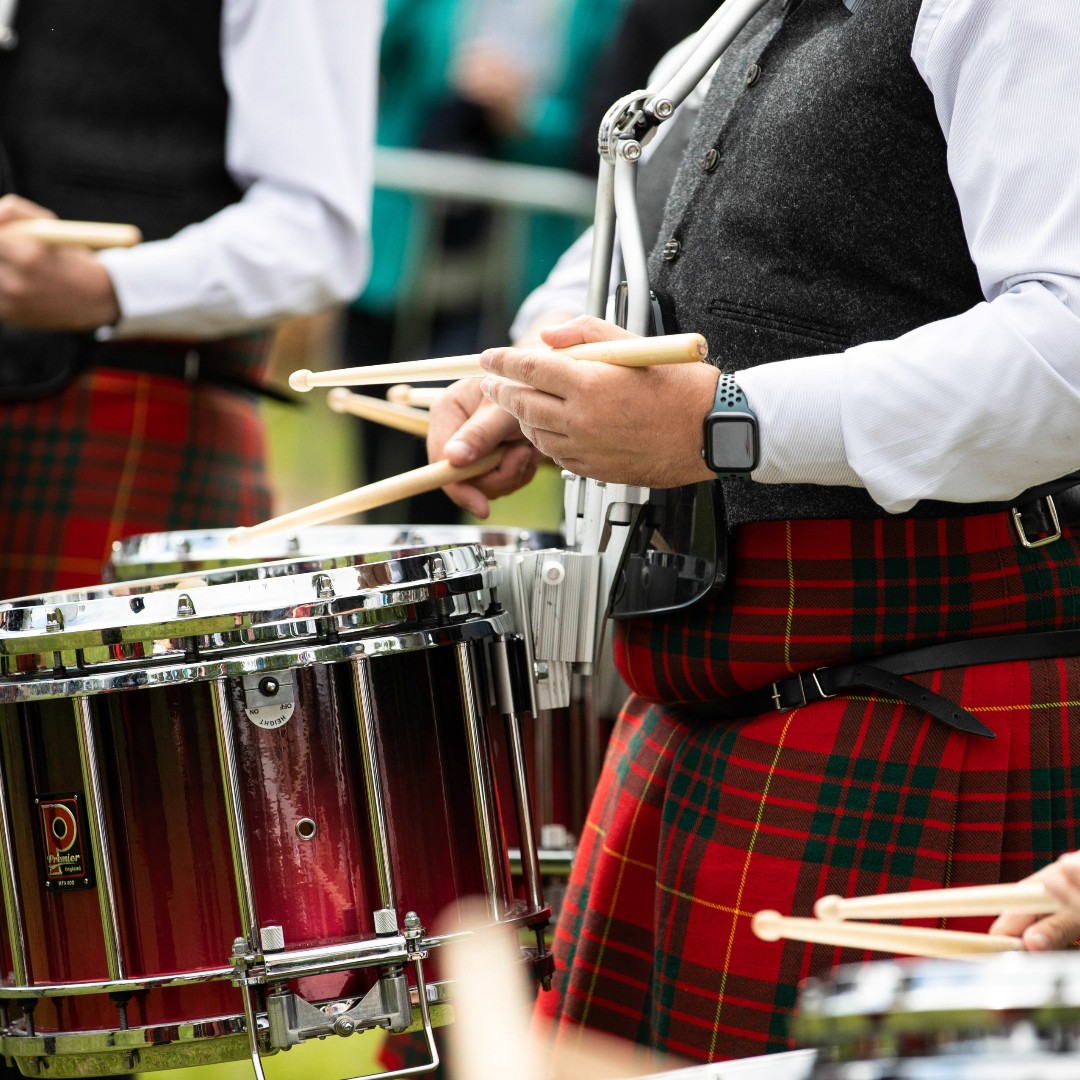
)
(302, 83)
(987, 403)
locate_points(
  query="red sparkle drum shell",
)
(304, 791)
(564, 748)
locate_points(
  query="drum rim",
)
(234, 663)
(177, 606)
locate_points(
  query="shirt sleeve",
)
(302, 82)
(982, 405)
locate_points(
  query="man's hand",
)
(46, 287)
(464, 427)
(623, 425)
(1059, 930)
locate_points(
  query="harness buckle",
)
(1018, 524)
(780, 705)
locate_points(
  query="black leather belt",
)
(885, 674)
(196, 362)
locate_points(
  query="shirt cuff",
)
(797, 405)
(149, 279)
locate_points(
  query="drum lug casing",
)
(292, 1020)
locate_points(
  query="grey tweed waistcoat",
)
(812, 210)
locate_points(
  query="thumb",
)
(583, 328)
(486, 429)
(1057, 931)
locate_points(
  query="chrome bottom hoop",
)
(189, 1044)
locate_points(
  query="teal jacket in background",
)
(417, 47)
(413, 66)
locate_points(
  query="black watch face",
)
(732, 443)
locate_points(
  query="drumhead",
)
(159, 553)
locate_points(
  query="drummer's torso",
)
(813, 210)
(118, 111)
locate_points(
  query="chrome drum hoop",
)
(77, 682)
(1022, 1004)
(181, 552)
(237, 608)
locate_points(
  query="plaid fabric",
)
(697, 825)
(118, 453)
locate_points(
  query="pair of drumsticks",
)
(830, 927)
(622, 352)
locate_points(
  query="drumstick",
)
(420, 397)
(1022, 898)
(427, 478)
(623, 352)
(903, 940)
(92, 234)
(492, 1018)
(402, 417)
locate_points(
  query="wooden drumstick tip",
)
(237, 537)
(301, 380)
(829, 908)
(767, 925)
(337, 399)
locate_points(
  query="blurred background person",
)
(237, 135)
(490, 80)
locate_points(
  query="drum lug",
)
(293, 1020)
(268, 698)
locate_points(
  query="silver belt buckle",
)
(1018, 524)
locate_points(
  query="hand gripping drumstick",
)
(1021, 898)
(427, 478)
(623, 352)
(903, 940)
(91, 234)
(401, 417)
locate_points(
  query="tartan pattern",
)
(809, 594)
(115, 454)
(697, 825)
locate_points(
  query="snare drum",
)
(276, 777)
(564, 747)
(1004, 1017)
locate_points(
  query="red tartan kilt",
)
(696, 825)
(119, 453)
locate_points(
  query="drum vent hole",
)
(306, 828)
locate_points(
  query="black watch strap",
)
(729, 400)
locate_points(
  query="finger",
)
(1057, 931)
(1012, 924)
(516, 469)
(16, 208)
(581, 329)
(1062, 880)
(452, 408)
(487, 428)
(532, 408)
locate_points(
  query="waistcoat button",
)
(671, 249)
(711, 159)
(753, 73)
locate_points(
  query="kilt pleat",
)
(697, 824)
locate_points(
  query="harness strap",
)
(885, 674)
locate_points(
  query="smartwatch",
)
(731, 433)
